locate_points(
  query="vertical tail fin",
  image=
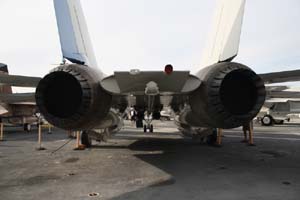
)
(74, 37)
(224, 41)
(4, 89)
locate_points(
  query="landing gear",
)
(148, 123)
(27, 127)
(85, 139)
(148, 127)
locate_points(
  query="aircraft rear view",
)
(79, 96)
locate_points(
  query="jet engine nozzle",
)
(70, 97)
(231, 95)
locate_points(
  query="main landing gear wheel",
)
(267, 120)
(149, 127)
(27, 127)
(85, 139)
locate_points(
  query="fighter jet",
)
(17, 109)
(77, 95)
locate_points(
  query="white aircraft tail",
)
(74, 37)
(224, 40)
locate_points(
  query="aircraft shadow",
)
(230, 172)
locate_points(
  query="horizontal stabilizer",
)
(17, 98)
(19, 81)
(178, 82)
(280, 77)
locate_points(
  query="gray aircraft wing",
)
(19, 81)
(125, 83)
(283, 94)
(276, 87)
(17, 98)
(279, 77)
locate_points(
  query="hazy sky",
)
(148, 34)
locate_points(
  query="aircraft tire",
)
(85, 139)
(151, 128)
(145, 128)
(267, 120)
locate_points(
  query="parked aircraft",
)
(77, 95)
(16, 109)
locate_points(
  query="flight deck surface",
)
(160, 165)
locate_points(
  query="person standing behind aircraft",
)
(248, 127)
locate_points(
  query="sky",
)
(144, 34)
